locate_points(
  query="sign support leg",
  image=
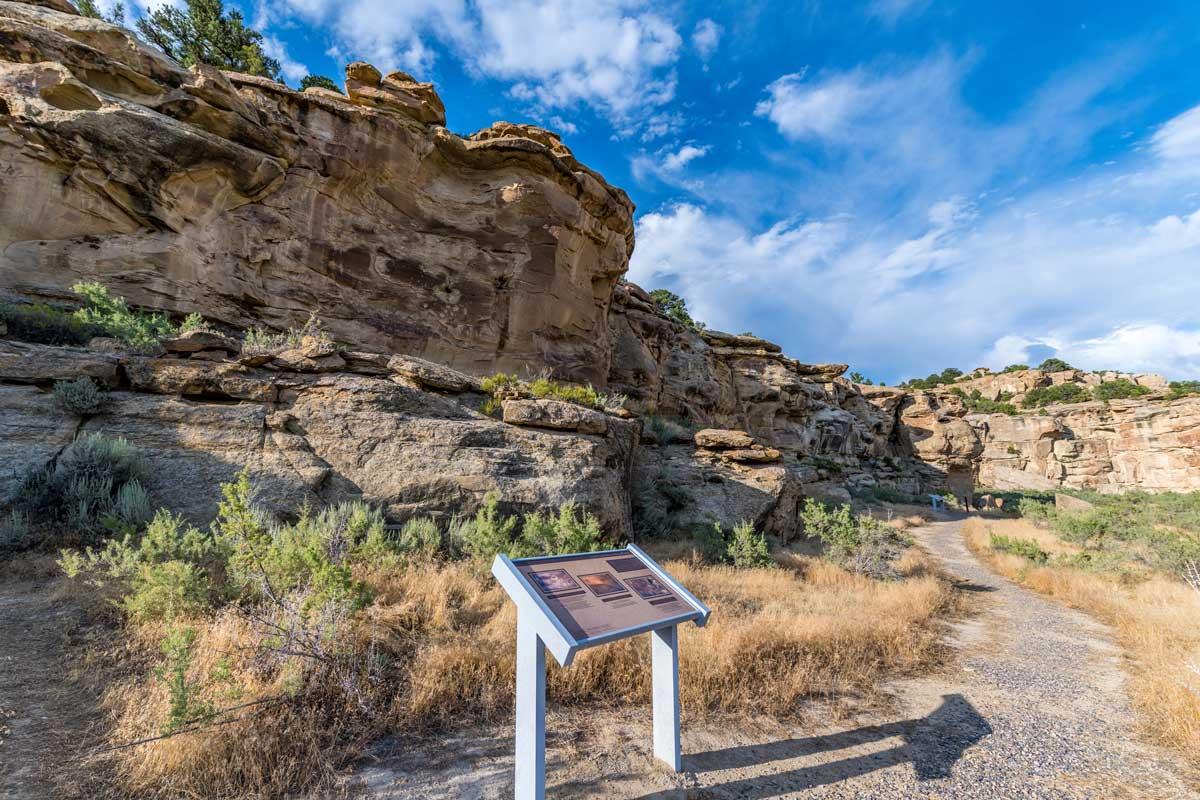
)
(530, 777)
(664, 649)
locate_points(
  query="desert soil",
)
(1032, 706)
(48, 718)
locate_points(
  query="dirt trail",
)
(44, 716)
(1034, 707)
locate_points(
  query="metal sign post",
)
(569, 603)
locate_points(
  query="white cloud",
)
(292, 70)
(679, 159)
(1179, 138)
(616, 57)
(563, 126)
(705, 38)
(1086, 267)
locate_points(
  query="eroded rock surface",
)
(236, 197)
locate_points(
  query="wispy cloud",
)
(929, 237)
(891, 12)
(292, 70)
(705, 38)
(617, 58)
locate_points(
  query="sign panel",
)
(601, 596)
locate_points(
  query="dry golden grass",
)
(806, 629)
(1156, 619)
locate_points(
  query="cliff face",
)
(235, 197)
(197, 190)
(1119, 446)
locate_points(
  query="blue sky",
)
(902, 185)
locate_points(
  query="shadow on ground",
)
(932, 744)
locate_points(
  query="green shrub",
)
(934, 380)
(978, 404)
(492, 532)
(420, 537)
(43, 324)
(1015, 368)
(86, 490)
(80, 397)
(1026, 548)
(861, 544)
(501, 386)
(15, 530)
(748, 549)
(195, 322)
(675, 308)
(1054, 365)
(1120, 389)
(173, 673)
(666, 430)
(711, 542)
(1062, 393)
(1178, 389)
(139, 330)
(172, 569)
(571, 530)
(260, 341)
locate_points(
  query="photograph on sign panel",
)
(602, 584)
(553, 580)
(648, 586)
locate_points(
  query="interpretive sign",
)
(571, 602)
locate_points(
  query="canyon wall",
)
(433, 259)
(238, 198)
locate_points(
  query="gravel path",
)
(45, 717)
(1034, 708)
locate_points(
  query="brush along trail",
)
(1032, 706)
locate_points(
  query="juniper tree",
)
(208, 34)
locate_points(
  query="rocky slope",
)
(434, 259)
(1149, 443)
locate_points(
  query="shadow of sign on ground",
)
(932, 744)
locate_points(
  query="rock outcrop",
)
(1117, 446)
(310, 437)
(236, 197)
(433, 259)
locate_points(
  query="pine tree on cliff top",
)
(208, 34)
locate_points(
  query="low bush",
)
(1179, 389)
(1026, 548)
(42, 324)
(978, 404)
(15, 530)
(571, 530)
(501, 386)
(1120, 389)
(1015, 368)
(260, 341)
(657, 502)
(80, 397)
(747, 548)
(139, 330)
(1043, 396)
(94, 487)
(665, 430)
(861, 544)
(195, 322)
(1054, 365)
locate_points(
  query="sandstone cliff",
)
(434, 259)
(234, 196)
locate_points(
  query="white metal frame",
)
(539, 630)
